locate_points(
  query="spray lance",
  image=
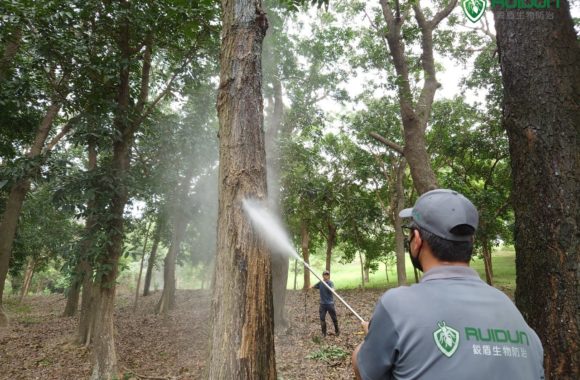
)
(275, 236)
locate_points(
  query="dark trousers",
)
(328, 308)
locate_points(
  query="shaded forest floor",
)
(38, 343)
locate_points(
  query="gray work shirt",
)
(325, 294)
(451, 325)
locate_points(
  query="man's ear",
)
(417, 237)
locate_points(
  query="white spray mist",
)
(277, 239)
(270, 229)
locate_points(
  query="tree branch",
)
(10, 49)
(165, 91)
(145, 74)
(396, 147)
(442, 14)
(397, 49)
(60, 135)
(430, 85)
(485, 30)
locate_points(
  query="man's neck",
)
(429, 262)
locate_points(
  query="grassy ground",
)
(348, 276)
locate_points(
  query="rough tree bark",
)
(18, 192)
(242, 336)
(540, 65)
(415, 115)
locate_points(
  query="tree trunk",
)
(29, 272)
(540, 65)
(416, 154)
(167, 300)
(399, 203)
(387, 271)
(104, 357)
(85, 269)
(362, 270)
(152, 258)
(280, 263)
(141, 267)
(280, 266)
(242, 335)
(295, 273)
(86, 321)
(330, 242)
(73, 294)
(305, 245)
(9, 222)
(486, 253)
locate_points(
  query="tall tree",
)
(540, 65)
(48, 58)
(136, 33)
(242, 337)
(415, 110)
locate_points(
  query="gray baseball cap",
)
(440, 211)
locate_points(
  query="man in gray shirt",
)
(451, 325)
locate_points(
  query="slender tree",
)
(179, 226)
(540, 65)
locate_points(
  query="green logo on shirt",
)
(446, 338)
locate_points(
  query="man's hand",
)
(365, 326)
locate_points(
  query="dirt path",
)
(37, 345)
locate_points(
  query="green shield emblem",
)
(446, 339)
(473, 9)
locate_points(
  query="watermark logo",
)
(473, 9)
(446, 339)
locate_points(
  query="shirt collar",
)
(450, 271)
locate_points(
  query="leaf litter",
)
(39, 343)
